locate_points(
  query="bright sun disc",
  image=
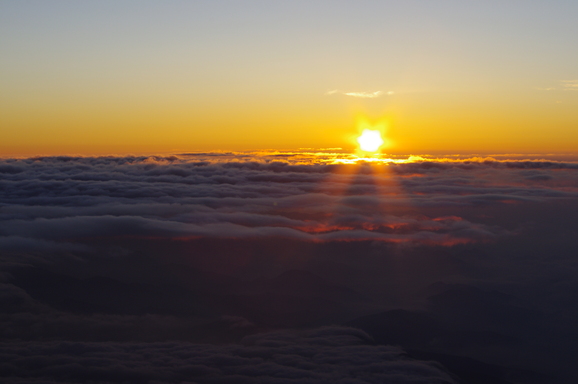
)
(370, 140)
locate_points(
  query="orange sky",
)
(451, 77)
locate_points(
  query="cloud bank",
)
(54, 201)
(119, 268)
(324, 355)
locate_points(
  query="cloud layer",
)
(118, 267)
(56, 200)
(324, 355)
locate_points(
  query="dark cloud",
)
(324, 355)
(110, 252)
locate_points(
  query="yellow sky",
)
(116, 78)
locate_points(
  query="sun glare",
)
(370, 140)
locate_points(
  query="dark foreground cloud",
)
(325, 355)
(467, 261)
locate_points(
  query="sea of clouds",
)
(50, 201)
(178, 268)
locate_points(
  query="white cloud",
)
(368, 95)
(365, 95)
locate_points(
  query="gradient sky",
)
(141, 76)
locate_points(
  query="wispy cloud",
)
(368, 95)
(570, 85)
(365, 95)
(566, 85)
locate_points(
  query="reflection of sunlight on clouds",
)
(321, 156)
(366, 195)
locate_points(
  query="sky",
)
(151, 77)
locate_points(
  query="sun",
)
(370, 140)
